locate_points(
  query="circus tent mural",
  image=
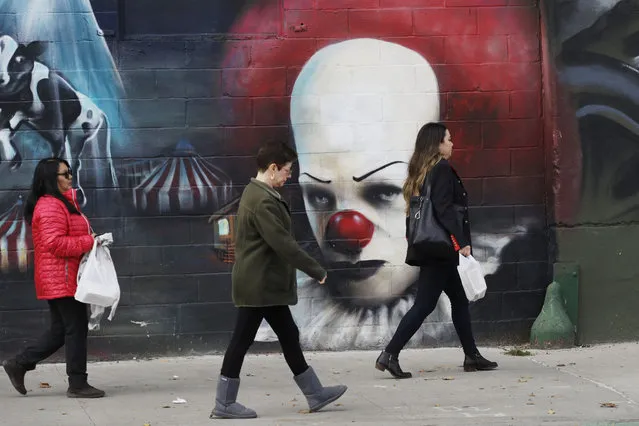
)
(15, 241)
(183, 182)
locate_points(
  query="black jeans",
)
(248, 322)
(69, 328)
(432, 281)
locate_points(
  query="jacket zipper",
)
(66, 273)
(75, 203)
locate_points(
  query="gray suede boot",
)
(225, 405)
(317, 395)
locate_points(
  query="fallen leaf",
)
(304, 412)
(561, 365)
(551, 411)
(532, 394)
(448, 378)
(338, 405)
(166, 406)
(44, 385)
(530, 403)
(175, 377)
(147, 424)
(609, 405)
(523, 381)
(517, 352)
(249, 375)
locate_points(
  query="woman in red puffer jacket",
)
(61, 235)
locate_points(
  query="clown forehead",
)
(363, 94)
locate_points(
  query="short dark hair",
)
(276, 152)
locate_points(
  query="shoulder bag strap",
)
(426, 186)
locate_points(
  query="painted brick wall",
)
(594, 158)
(205, 82)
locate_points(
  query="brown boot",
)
(16, 374)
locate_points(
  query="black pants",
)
(432, 281)
(248, 322)
(69, 328)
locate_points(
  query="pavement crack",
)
(629, 400)
(87, 413)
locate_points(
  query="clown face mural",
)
(356, 108)
(355, 127)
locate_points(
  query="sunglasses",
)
(68, 174)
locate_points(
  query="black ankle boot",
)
(16, 374)
(477, 362)
(84, 391)
(386, 361)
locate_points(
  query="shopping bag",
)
(472, 278)
(97, 279)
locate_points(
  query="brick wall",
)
(205, 82)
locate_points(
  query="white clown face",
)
(356, 109)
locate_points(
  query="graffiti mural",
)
(594, 58)
(161, 118)
(354, 125)
(598, 68)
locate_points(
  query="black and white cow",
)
(33, 95)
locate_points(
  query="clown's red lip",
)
(355, 271)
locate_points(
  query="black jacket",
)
(450, 202)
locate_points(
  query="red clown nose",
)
(348, 230)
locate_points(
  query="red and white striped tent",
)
(15, 241)
(182, 183)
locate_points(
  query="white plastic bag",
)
(97, 281)
(472, 278)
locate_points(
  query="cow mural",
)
(33, 95)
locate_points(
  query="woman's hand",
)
(324, 280)
(465, 251)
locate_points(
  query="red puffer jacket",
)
(59, 241)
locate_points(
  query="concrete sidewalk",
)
(550, 387)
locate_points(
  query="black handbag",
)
(427, 238)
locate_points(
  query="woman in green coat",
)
(264, 284)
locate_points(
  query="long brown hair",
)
(424, 158)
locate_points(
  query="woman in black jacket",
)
(433, 148)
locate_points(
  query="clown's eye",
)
(319, 198)
(381, 194)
